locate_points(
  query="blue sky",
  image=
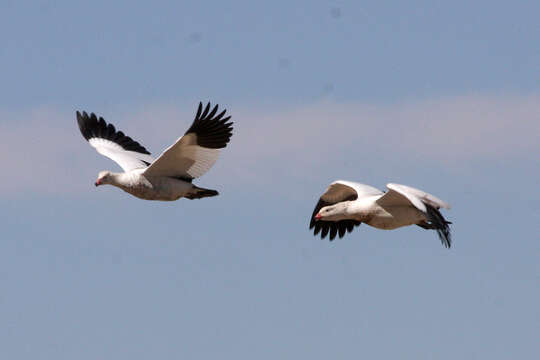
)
(437, 95)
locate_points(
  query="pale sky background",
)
(443, 96)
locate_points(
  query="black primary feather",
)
(333, 227)
(92, 127)
(212, 131)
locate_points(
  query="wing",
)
(113, 144)
(198, 150)
(423, 196)
(399, 196)
(362, 190)
(337, 192)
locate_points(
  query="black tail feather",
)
(438, 223)
(199, 193)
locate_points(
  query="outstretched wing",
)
(197, 151)
(113, 144)
(337, 192)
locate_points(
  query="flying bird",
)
(346, 204)
(170, 176)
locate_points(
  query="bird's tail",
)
(199, 193)
(439, 223)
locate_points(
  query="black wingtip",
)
(332, 229)
(211, 130)
(205, 111)
(92, 127)
(199, 110)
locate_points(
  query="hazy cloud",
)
(44, 151)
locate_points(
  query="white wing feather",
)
(184, 159)
(397, 197)
(422, 195)
(361, 189)
(128, 160)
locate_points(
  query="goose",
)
(170, 176)
(346, 204)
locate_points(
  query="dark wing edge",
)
(92, 127)
(439, 223)
(212, 131)
(333, 228)
(335, 193)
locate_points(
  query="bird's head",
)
(104, 177)
(331, 213)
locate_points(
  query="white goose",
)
(347, 204)
(170, 176)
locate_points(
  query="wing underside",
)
(115, 145)
(197, 151)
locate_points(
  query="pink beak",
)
(318, 217)
(97, 182)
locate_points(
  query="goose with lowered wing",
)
(346, 204)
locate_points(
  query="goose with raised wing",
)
(170, 176)
(346, 204)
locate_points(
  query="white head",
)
(104, 177)
(334, 212)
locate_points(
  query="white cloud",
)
(449, 128)
(44, 151)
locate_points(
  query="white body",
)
(150, 187)
(367, 210)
